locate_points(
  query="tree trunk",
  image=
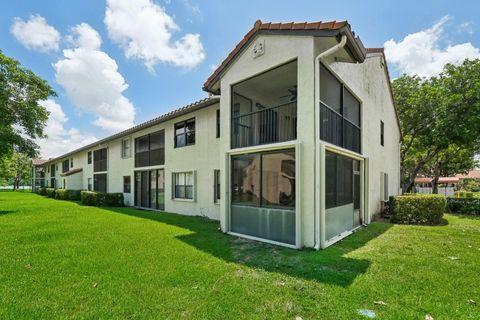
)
(408, 185)
(436, 177)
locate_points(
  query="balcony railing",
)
(276, 124)
(336, 129)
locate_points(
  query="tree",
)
(16, 168)
(22, 117)
(437, 113)
(451, 161)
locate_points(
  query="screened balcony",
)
(264, 108)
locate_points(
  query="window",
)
(56, 167)
(264, 179)
(185, 133)
(216, 185)
(384, 186)
(89, 181)
(126, 184)
(218, 123)
(64, 184)
(150, 149)
(382, 133)
(52, 170)
(183, 182)
(100, 182)
(339, 113)
(89, 157)
(100, 160)
(338, 180)
(65, 165)
(126, 148)
(71, 162)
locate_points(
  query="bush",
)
(50, 192)
(464, 205)
(67, 194)
(73, 194)
(114, 199)
(61, 194)
(91, 198)
(42, 191)
(467, 194)
(420, 209)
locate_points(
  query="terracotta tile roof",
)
(474, 174)
(440, 180)
(70, 172)
(375, 50)
(260, 26)
(38, 162)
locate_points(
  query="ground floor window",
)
(183, 182)
(100, 182)
(342, 194)
(150, 189)
(216, 185)
(126, 184)
(263, 195)
(89, 184)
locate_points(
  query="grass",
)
(59, 259)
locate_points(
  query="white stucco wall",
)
(368, 81)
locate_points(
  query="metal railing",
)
(271, 125)
(337, 130)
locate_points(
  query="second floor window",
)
(89, 157)
(339, 113)
(65, 165)
(126, 149)
(150, 149)
(100, 160)
(218, 123)
(185, 133)
(71, 162)
(382, 133)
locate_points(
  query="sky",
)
(118, 63)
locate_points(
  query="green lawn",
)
(62, 260)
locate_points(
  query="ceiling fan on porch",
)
(292, 94)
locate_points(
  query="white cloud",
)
(92, 82)
(59, 139)
(421, 52)
(144, 31)
(36, 34)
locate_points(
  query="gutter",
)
(319, 214)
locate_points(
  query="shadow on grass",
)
(3, 212)
(330, 266)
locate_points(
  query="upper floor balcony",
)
(264, 108)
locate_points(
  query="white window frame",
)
(125, 154)
(194, 187)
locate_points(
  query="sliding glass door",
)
(150, 189)
(342, 195)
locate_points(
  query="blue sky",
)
(423, 34)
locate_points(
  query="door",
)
(161, 189)
(357, 212)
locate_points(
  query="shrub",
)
(464, 205)
(73, 194)
(419, 209)
(61, 194)
(42, 191)
(91, 198)
(114, 199)
(50, 192)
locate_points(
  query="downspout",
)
(320, 243)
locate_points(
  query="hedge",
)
(464, 205)
(467, 194)
(91, 198)
(420, 209)
(67, 194)
(42, 191)
(50, 192)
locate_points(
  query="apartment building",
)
(297, 144)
